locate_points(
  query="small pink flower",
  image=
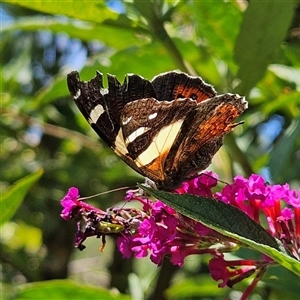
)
(69, 202)
(230, 272)
(200, 186)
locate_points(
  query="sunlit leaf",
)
(287, 73)
(107, 34)
(65, 289)
(84, 10)
(218, 24)
(263, 29)
(12, 198)
(289, 102)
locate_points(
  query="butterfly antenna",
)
(107, 192)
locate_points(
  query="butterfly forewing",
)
(103, 107)
(211, 120)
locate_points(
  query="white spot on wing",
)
(161, 143)
(96, 113)
(135, 134)
(127, 120)
(244, 102)
(152, 116)
(120, 147)
(78, 94)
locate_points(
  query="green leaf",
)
(289, 102)
(65, 289)
(196, 287)
(281, 161)
(287, 73)
(229, 221)
(282, 282)
(107, 34)
(218, 28)
(13, 198)
(57, 89)
(201, 61)
(122, 63)
(85, 10)
(263, 29)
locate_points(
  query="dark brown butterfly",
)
(167, 129)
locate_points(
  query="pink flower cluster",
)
(165, 232)
(160, 231)
(278, 204)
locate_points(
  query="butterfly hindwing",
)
(173, 85)
(149, 137)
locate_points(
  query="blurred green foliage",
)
(249, 48)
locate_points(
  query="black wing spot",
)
(193, 96)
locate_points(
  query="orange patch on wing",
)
(219, 123)
(155, 169)
(193, 93)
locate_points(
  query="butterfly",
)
(167, 129)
